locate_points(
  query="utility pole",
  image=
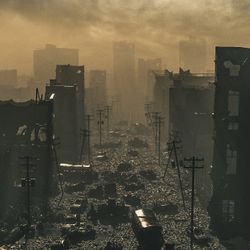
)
(28, 182)
(158, 121)
(193, 167)
(56, 143)
(100, 122)
(155, 117)
(108, 110)
(173, 149)
(148, 110)
(86, 134)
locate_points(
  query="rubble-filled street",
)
(95, 209)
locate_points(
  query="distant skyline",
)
(155, 26)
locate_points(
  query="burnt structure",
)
(230, 204)
(67, 90)
(25, 130)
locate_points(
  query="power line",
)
(173, 149)
(193, 160)
(100, 122)
(108, 110)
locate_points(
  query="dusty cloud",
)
(156, 26)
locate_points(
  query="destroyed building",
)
(230, 205)
(25, 130)
(191, 107)
(68, 93)
(46, 59)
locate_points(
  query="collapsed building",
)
(26, 131)
(230, 204)
(68, 93)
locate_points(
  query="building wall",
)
(26, 130)
(65, 121)
(191, 109)
(230, 204)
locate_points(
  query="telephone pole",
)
(86, 134)
(108, 110)
(158, 121)
(100, 122)
(28, 182)
(193, 160)
(148, 111)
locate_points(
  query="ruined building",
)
(68, 93)
(46, 59)
(25, 130)
(191, 107)
(230, 204)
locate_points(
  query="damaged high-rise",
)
(230, 204)
(68, 93)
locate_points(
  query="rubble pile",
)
(95, 212)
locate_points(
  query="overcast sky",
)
(156, 26)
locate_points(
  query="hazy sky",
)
(156, 26)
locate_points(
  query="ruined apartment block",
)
(230, 204)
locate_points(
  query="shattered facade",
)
(230, 205)
(26, 130)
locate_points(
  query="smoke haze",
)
(156, 26)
